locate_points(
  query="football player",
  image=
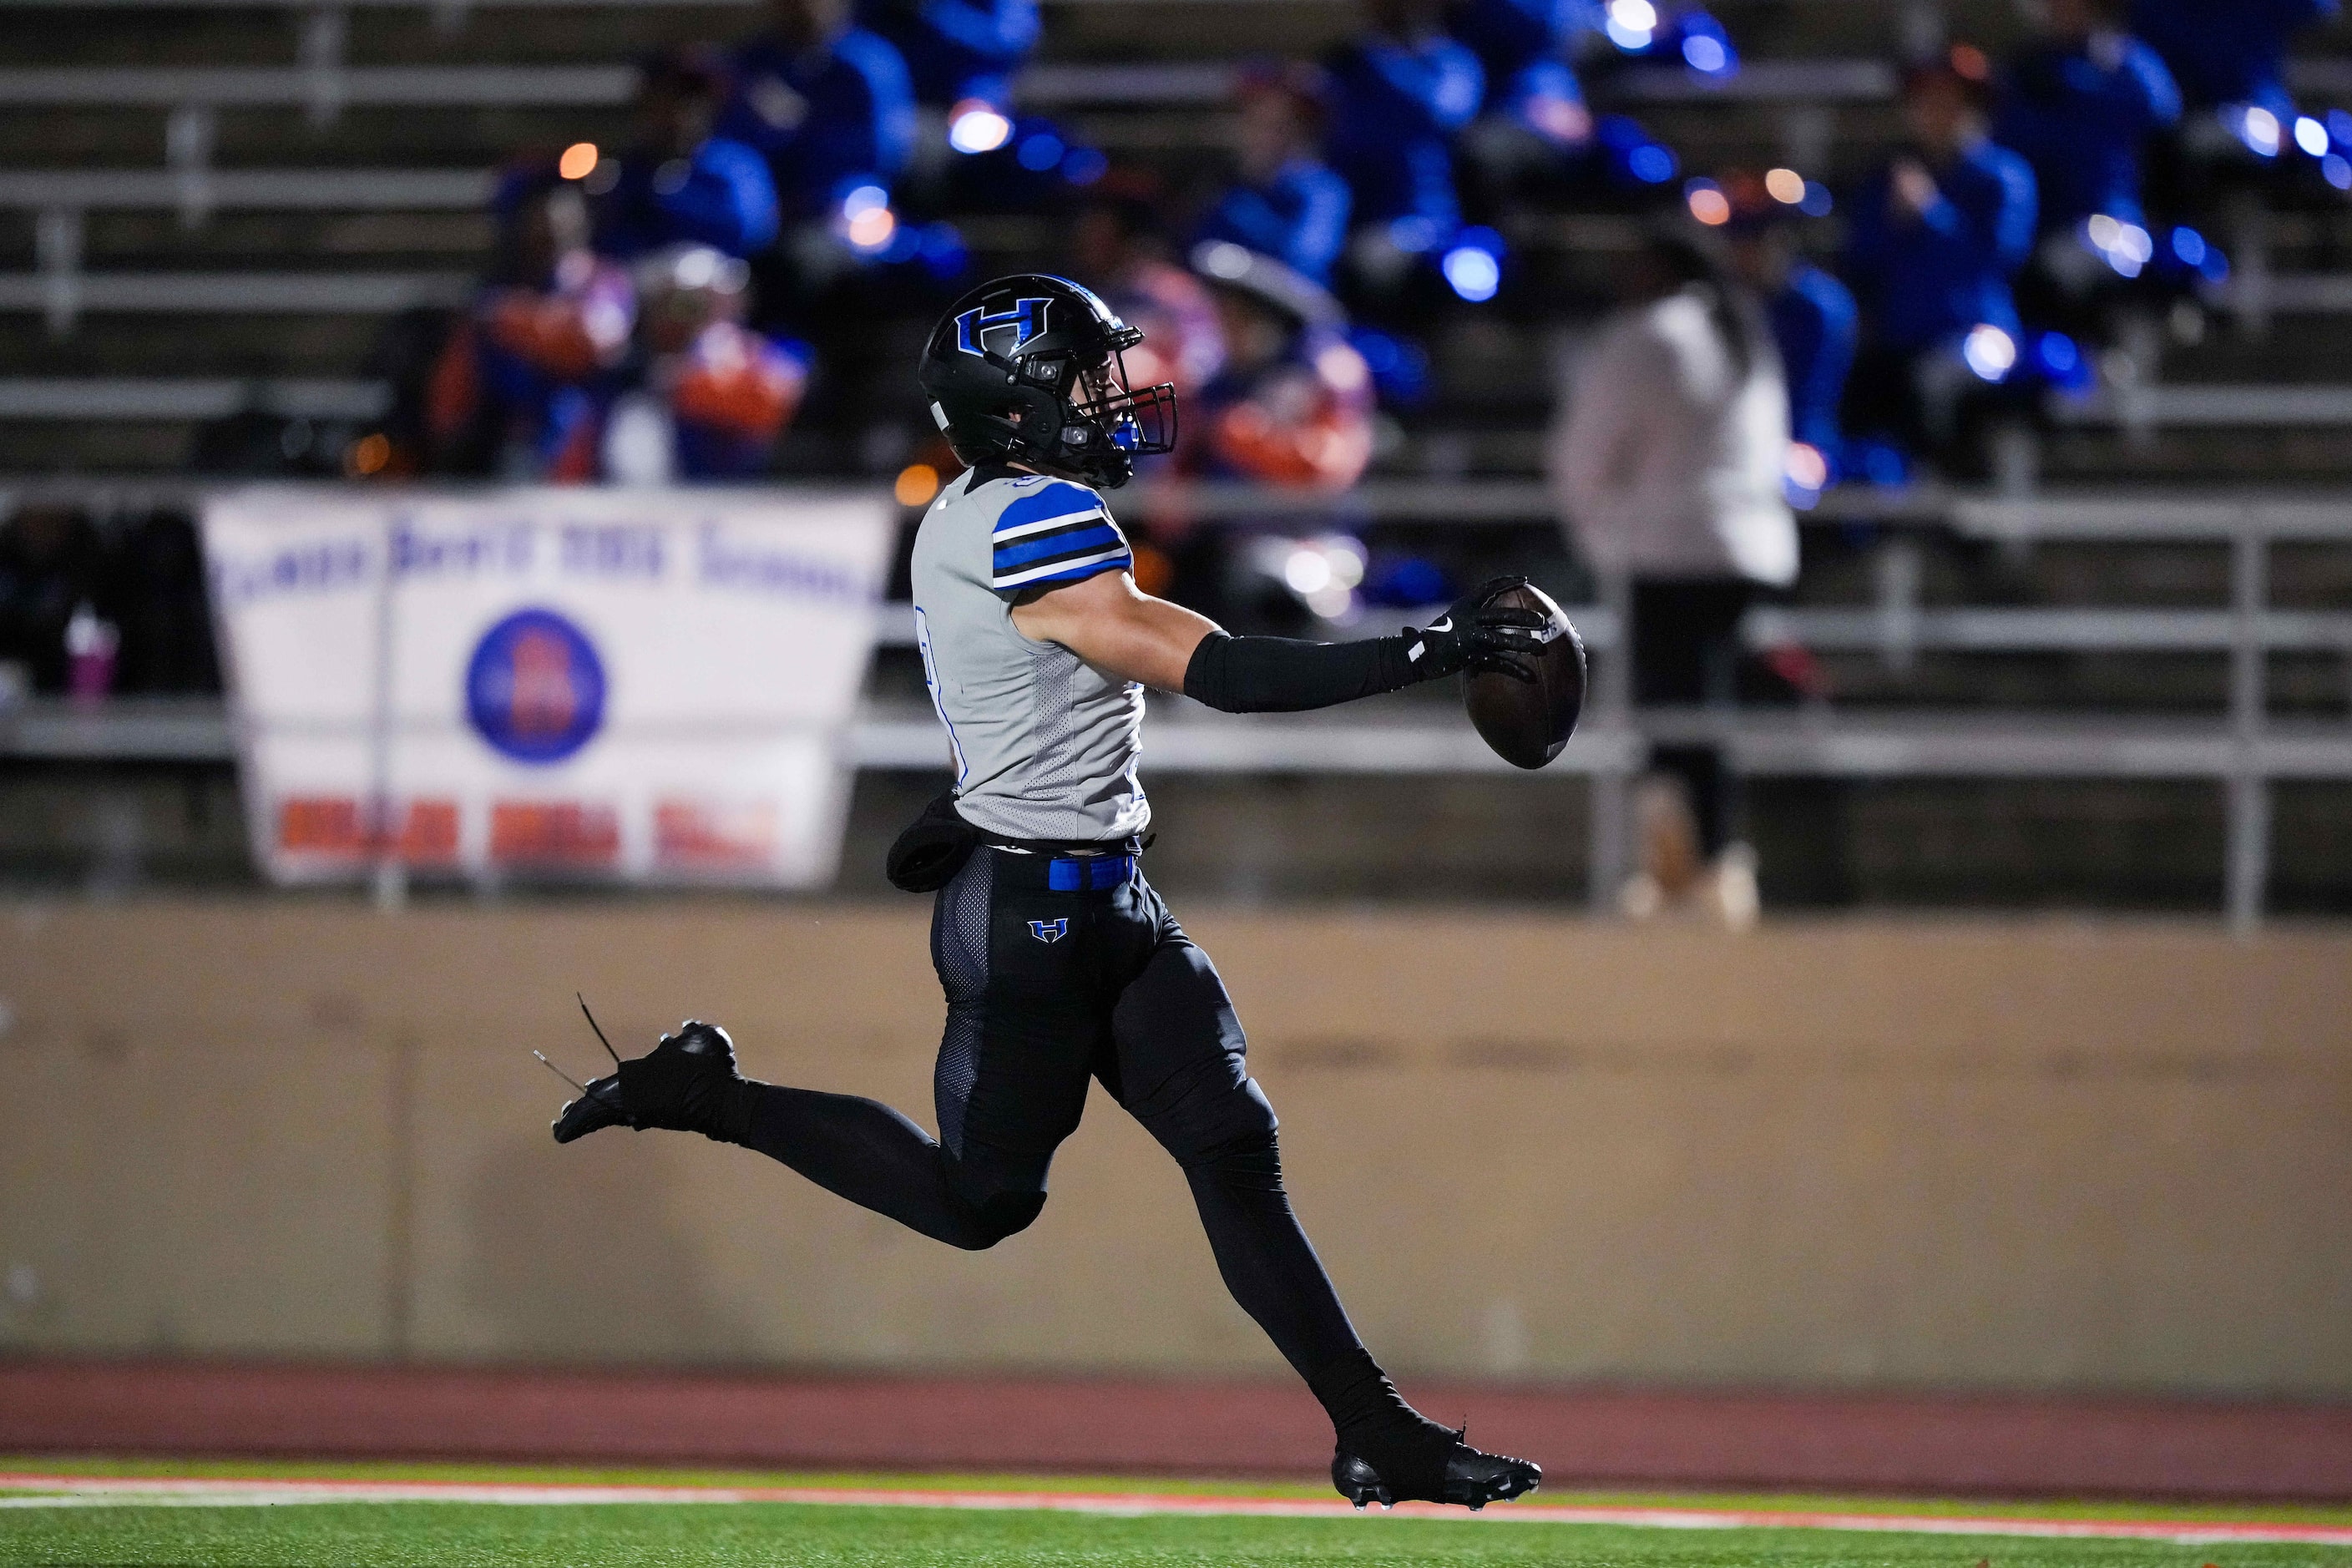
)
(1059, 961)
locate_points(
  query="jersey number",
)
(938, 703)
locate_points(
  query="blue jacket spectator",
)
(717, 195)
(2229, 51)
(680, 184)
(1816, 324)
(828, 105)
(1934, 238)
(1511, 34)
(2078, 105)
(1298, 214)
(1524, 47)
(958, 50)
(1399, 92)
(1287, 204)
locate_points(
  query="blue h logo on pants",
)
(1050, 930)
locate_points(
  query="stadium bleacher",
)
(217, 212)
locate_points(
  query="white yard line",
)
(97, 1491)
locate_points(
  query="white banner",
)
(645, 686)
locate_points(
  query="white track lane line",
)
(100, 1492)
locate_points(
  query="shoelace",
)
(587, 1091)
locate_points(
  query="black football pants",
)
(1048, 989)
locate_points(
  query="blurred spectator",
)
(1287, 204)
(1292, 404)
(52, 566)
(1525, 47)
(1668, 460)
(975, 154)
(829, 105)
(1122, 255)
(958, 51)
(1291, 408)
(1536, 122)
(99, 612)
(680, 184)
(1814, 322)
(158, 603)
(1400, 92)
(2241, 133)
(710, 396)
(2229, 53)
(520, 389)
(2079, 103)
(1933, 241)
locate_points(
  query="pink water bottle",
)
(91, 644)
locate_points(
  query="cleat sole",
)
(1495, 1480)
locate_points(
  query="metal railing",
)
(1159, 85)
(2244, 750)
(249, 189)
(325, 87)
(2213, 405)
(189, 398)
(63, 295)
(330, 85)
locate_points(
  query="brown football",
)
(1528, 723)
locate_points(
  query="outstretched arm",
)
(1121, 630)
(1116, 628)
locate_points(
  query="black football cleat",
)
(677, 1085)
(1470, 1478)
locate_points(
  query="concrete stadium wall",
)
(2016, 1155)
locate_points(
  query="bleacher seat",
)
(214, 207)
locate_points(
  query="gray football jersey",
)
(1046, 745)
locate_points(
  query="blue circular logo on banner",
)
(535, 687)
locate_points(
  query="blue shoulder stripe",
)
(1056, 499)
(1100, 537)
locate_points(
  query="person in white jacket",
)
(1668, 460)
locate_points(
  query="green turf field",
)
(772, 1533)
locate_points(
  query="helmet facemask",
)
(1105, 425)
(1138, 424)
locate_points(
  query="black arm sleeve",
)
(1277, 675)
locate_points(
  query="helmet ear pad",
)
(1026, 425)
(1037, 415)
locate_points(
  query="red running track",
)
(2017, 1446)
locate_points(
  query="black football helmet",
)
(1028, 369)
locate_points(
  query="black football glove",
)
(1480, 638)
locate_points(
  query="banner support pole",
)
(390, 882)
